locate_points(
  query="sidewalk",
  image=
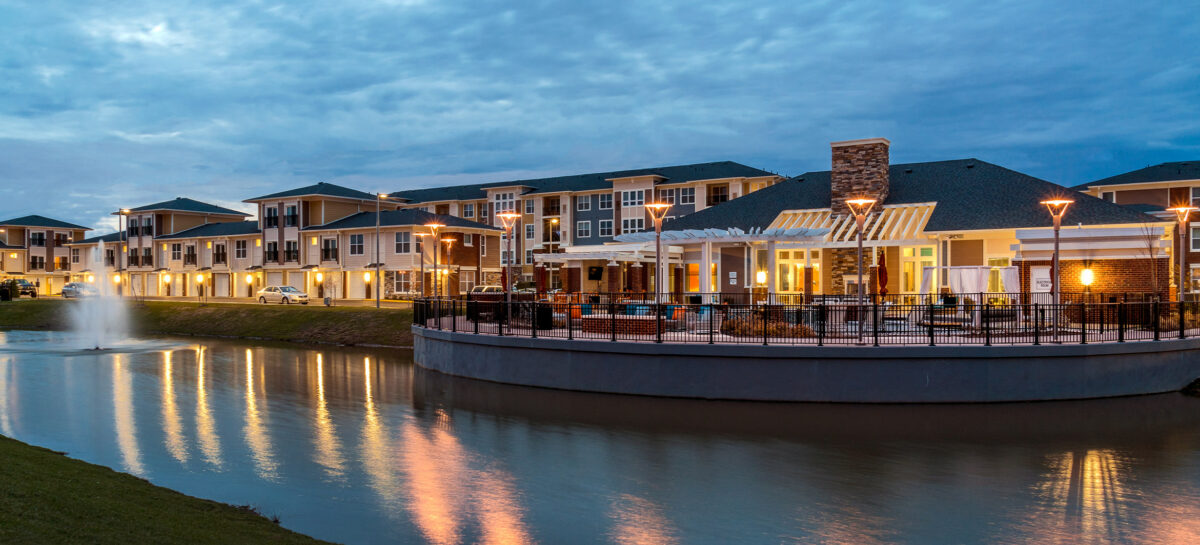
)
(250, 301)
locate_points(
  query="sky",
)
(104, 106)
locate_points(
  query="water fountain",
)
(101, 319)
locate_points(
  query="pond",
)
(360, 446)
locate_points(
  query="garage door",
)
(274, 279)
(221, 285)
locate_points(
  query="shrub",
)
(752, 327)
(1170, 322)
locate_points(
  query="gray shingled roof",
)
(219, 229)
(322, 189)
(392, 218)
(588, 182)
(971, 195)
(184, 204)
(1165, 172)
(35, 220)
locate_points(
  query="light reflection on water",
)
(358, 446)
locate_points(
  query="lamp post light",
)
(508, 219)
(449, 245)
(658, 211)
(433, 230)
(421, 245)
(200, 288)
(1057, 208)
(379, 198)
(124, 215)
(554, 234)
(860, 208)
(1182, 212)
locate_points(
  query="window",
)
(583, 229)
(483, 213)
(292, 218)
(1195, 238)
(687, 195)
(483, 245)
(403, 282)
(717, 194)
(528, 206)
(466, 280)
(994, 283)
(147, 257)
(468, 210)
(1112, 197)
(356, 245)
(239, 249)
(147, 227)
(291, 250)
(505, 255)
(272, 252)
(74, 255)
(39, 262)
(667, 196)
(633, 198)
(189, 255)
(633, 225)
(219, 255)
(329, 249)
(605, 228)
(529, 231)
(403, 242)
(468, 239)
(528, 256)
(1195, 195)
(176, 252)
(584, 203)
(605, 201)
(37, 239)
(503, 202)
(271, 217)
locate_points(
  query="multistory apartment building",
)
(37, 249)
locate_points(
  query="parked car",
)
(282, 294)
(79, 289)
(486, 289)
(26, 287)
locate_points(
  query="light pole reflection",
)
(172, 426)
(329, 454)
(206, 429)
(131, 455)
(257, 437)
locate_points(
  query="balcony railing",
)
(271, 255)
(329, 254)
(291, 220)
(270, 222)
(37, 265)
(147, 230)
(220, 258)
(550, 211)
(133, 261)
(189, 259)
(291, 255)
(147, 261)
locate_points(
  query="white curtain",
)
(926, 281)
(1011, 279)
(956, 279)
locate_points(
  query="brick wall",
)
(1111, 275)
(860, 169)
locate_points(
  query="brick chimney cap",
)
(861, 142)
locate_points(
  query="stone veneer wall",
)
(860, 169)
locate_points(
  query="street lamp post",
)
(508, 219)
(449, 245)
(379, 198)
(1057, 208)
(124, 249)
(421, 244)
(860, 208)
(554, 233)
(658, 211)
(433, 230)
(1182, 212)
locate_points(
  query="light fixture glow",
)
(367, 277)
(258, 242)
(166, 278)
(1086, 277)
(761, 277)
(320, 278)
(116, 279)
(249, 278)
(91, 278)
(208, 245)
(314, 241)
(199, 278)
(12, 255)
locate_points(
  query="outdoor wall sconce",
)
(91, 278)
(166, 279)
(249, 278)
(320, 278)
(761, 277)
(1086, 277)
(367, 277)
(116, 279)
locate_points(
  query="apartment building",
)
(586, 210)
(37, 249)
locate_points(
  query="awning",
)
(308, 267)
(732, 234)
(254, 268)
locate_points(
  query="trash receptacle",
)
(545, 317)
(328, 301)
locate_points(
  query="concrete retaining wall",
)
(893, 374)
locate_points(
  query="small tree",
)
(1150, 247)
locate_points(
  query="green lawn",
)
(48, 498)
(309, 323)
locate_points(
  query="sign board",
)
(732, 278)
(1039, 280)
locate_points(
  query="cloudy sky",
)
(103, 106)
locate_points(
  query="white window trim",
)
(586, 231)
(583, 203)
(529, 206)
(600, 205)
(530, 231)
(600, 228)
(469, 210)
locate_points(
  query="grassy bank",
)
(312, 323)
(48, 498)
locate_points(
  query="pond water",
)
(359, 446)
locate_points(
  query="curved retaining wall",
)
(893, 374)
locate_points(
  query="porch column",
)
(770, 266)
(574, 279)
(637, 275)
(808, 277)
(677, 283)
(706, 268)
(614, 276)
(539, 275)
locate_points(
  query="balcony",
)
(189, 259)
(133, 261)
(291, 255)
(329, 254)
(550, 211)
(37, 265)
(291, 220)
(270, 222)
(147, 261)
(220, 258)
(147, 230)
(271, 255)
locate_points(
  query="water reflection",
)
(172, 424)
(126, 428)
(356, 447)
(206, 429)
(257, 437)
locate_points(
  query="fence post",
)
(1037, 324)
(612, 319)
(476, 316)
(658, 322)
(1181, 318)
(984, 316)
(571, 318)
(1154, 309)
(533, 321)
(711, 323)
(764, 322)
(1083, 322)
(875, 320)
(929, 318)
(454, 316)
(820, 313)
(1121, 321)
(506, 310)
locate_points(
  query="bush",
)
(10, 286)
(1170, 322)
(753, 327)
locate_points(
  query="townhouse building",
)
(37, 248)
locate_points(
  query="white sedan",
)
(282, 294)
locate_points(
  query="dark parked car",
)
(25, 287)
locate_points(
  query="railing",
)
(291, 220)
(147, 230)
(147, 261)
(270, 221)
(875, 324)
(37, 265)
(220, 258)
(189, 259)
(329, 254)
(759, 297)
(271, 255)
(291, 255)
(133, 260)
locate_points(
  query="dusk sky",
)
(104, 106)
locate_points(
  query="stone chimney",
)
(860, 169)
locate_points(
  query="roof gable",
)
(34, 220)
(184, 204)
(218, 229)
(322, 189)
(394, 218)
(1165, 172)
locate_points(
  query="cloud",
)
(140, 102)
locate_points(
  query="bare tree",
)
(1150, 241)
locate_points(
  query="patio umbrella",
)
(882, 273)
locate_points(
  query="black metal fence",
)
(878, 323)
(762, 297)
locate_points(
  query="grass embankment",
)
(297, 323)
(46, 497)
